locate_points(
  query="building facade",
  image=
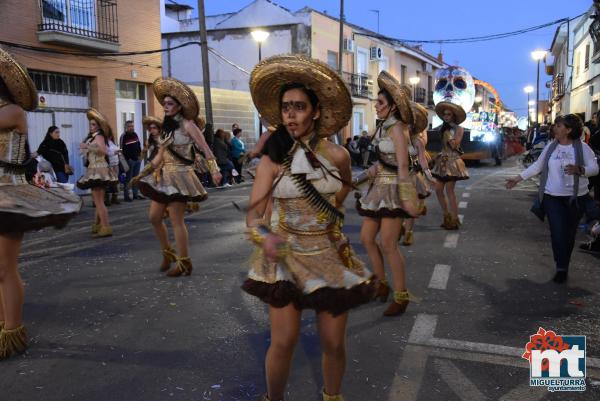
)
(234, 52)
(120, 87)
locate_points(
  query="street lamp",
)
(478, 99)
(414, 81)
(528, 89)
(260, 36)
(538, 55)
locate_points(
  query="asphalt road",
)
(106, 325)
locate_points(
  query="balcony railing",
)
(558, 86)
(421, 95)
(359, 84)
(88, 19)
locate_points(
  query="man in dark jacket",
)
(132, 149)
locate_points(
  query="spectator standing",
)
(112, 191)
(55, 151)
(364, 145)
(238, 151)
(563, 166)
(132, 150)
(595, 145)
(355, 151)
(221, 151)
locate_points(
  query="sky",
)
(504, 63)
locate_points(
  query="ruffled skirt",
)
(449, 167)
(173, 183)
(96, 177)
(25, 207)
(320, 273)
(382, 198)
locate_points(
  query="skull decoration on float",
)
(454, 85)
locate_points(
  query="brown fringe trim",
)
(13, 342)
(12, 223)
(94, 184)
(448, 178)
(149, 192)
(382, 213)
(333, 300)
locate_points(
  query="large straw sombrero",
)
(93, 114)
(399, 93)
(459, 112)
(421, 118)
(17, 81)
(271, 74)
(147, 120)
(176, 89)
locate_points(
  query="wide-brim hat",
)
(268, 77)
(176, 89)
(147, 120)
(399, 93)
(459, 113)
(421, 118)
(18, 82)
(93, 114)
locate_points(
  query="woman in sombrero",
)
(418, 167)
(98, 175)
(305, 262)
(448, 166)
(169, 180)
(23, 207)
(391, 195)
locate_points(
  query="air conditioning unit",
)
(376, 53)
(349, 45)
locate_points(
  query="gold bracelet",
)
(255, 236)
(213, 167)
(407, 191)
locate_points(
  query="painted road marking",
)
(461, 218)
(457, 381)
(462, 204)
(440, 276)
(466, 195)
(451, 240)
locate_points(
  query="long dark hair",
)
(4, 92)
(390, 101)
(48, 136)
(280, 142)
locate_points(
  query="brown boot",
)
(115, 199)
(398, 305)
(13, 342)
(453, 223)
(383, 291)
(327, 397)
(423, 211)
(169, 256)
(95, 228)
(408, 239)
(183, 266)
(447, 220)
(104, 231)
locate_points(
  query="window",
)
(576, 64)
(130, 90)
(60, 84)
(332, 59)
(403, 74)
(587, 56)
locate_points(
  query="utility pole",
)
(205, 71)
(341, 48)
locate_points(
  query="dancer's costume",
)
(448, 166)
(319, 269)
(23, 206)
(98, 173)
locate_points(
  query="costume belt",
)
(312, 233)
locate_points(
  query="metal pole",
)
(537, 98)
(205, 71)
(341, 44)
(259, 59)
(528, 113)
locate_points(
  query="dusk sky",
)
(505, 63)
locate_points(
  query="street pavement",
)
(106, 325)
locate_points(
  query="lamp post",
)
(528, 89)
(538, 55)
(260, 36)
(414, 81)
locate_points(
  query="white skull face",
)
(454, 85)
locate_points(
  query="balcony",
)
(421, 95)
(359, 84)
(558, 86)
(88, 24)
